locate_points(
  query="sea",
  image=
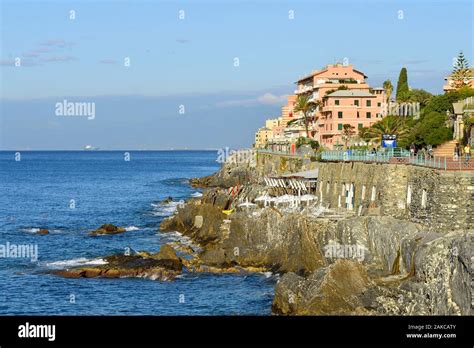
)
(71, 193)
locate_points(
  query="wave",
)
(196, 194)
(166, 209)
(176, 236)
(131, 228)
(31, 230)
(37, 229)
(81, 261)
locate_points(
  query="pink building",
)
(346, 99)
(356, 107)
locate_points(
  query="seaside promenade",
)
(392, 156)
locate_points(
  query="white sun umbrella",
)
(308, 197)
(284, 198)
(262, 198)
(247, 204)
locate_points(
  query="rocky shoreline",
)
(330, 261)
(349, 265)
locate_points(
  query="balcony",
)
(304, 89)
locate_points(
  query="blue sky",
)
(190, 62)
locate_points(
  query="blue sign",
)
(389, 140)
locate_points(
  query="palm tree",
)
(389, 125)
(347, 132)
(388, 87)
(306, 106)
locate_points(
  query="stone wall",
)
(441, 200)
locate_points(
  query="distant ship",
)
(90, 148)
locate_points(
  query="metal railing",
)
(282, 153)
(399, 156)
(443, 162)
(364, 155)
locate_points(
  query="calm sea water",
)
(71, 193)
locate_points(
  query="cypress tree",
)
(402, 84)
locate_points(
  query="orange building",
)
(345, 98)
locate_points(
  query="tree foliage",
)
(305, 106)
(307, 141)
(444, 102)
(402, 84)
(388, 87)
(347, 132)
(432, 130)
(460, 71)
(389, 125)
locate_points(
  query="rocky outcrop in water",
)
(107, 229)
(163, 265)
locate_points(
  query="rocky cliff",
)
(330, 263)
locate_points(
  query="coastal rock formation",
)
(430, 275)
(392, 256)
(167, 200)
(164, 265)
(336, 289)
(107, 229)
(267, 239)
(231, 174)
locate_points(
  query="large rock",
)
(164, 265)
(184, 221)
(107, 229)
(332, 290)
(230, 174)
(413, 273)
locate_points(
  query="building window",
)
(358, 114)
(336, 102)
(339, 126)
(368, 115)
(379, 104)
(368, 102)
(360, 125)
(356, 102)
(339, 114)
